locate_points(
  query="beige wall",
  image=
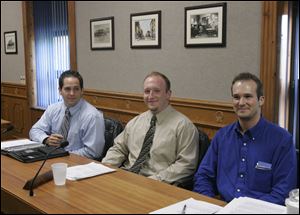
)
(198, 73)
(12, 66)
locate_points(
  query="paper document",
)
(87, 170)
(246, 205)
(17, 145)
(189, 206)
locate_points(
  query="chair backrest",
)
(113, 128)
(204, 144)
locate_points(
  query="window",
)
(52, 49)
(283, 74)
(288, 113)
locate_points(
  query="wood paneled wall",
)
(207, 115)
(14, 107)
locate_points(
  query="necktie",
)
(64, 129)
(144, 154)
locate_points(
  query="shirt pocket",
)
(262, 180)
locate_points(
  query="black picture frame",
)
(145, 30)
(10, 42)
(102, 34)
(205, 26)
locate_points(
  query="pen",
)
(183, 209)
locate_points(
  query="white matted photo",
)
(205, 26)
(145, 30)
(10, 42)
(102, 33)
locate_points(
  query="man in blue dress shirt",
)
(85, 132)
(251, 157)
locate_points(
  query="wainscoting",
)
(207, 115)
(14, 107)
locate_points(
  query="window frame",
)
(28, 30)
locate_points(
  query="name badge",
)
(263, 165)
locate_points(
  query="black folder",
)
(37, 154)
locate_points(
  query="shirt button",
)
(245, 144)
(241, 175)
(243, 159)
(253, 138)
(238, 190)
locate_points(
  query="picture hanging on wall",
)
(145, 30)
(102, 33)
(10, 42)
(205, 26)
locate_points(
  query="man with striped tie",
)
(73, 119)
(160, 143)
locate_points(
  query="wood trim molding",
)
(72, 34)
(28, 33)
(268, 66)
(207, 115)
(13, 90)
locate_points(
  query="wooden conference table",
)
(117, 192)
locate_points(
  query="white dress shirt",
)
(86, 133)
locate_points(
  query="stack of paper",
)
(87, 170)
(242, 205)
(20, 144)
(189, 206)
(246, 205)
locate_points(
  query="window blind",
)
(52, 49)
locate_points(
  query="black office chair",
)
(113, 128)
(204, 144)
(187, 183)
(297, 154)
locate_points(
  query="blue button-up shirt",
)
(86, 133)
(260, 164)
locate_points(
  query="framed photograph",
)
(145, 30)
(10, 42)
(205, 26)
(102, 33)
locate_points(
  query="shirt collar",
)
(74, 108)
(161, 115)
(254, 131)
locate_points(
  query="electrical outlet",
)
(22, 79)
